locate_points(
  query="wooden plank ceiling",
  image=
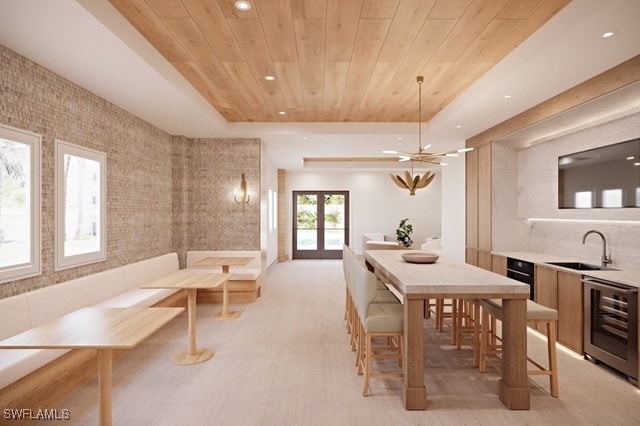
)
(334, 60)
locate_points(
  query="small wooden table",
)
(190, 281)
(225, 262)
(104, 329)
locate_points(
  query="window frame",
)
(63, 148)
(34, 266)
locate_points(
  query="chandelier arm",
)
(420, 79)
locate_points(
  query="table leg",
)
(226, 314)
(514, 389)
(105, 363)
(192, 355)
(414, 393)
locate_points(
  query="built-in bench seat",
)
(27, 376)
(245, 284)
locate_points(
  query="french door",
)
(320, 224)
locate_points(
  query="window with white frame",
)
(20, 171)
(80, 175)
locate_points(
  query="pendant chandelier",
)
(409, 180)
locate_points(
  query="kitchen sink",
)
(579, 266)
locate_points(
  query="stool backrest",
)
(349, 261)
(345, 262)
(366, 288)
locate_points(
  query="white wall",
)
(376, 203)
(272, 234)
(453, 208)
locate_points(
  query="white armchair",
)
(378, 241)
(431, 244)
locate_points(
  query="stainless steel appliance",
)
(611, 325)
(522, 271)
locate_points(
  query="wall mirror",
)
(605, 177)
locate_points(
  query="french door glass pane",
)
(334, 216)
(82, 205)
(307, 222)
(15, 206)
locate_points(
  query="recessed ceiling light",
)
(458, 126)
(399, 139)
(282, 112)
(269, 77)
(304, 139)
(507, 96)
(630, 158)
(608, 34)
(243, 5)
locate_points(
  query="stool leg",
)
(553, 361)
(460, 323)
(484, 341)
(454, 322)
(439, 314)
(476, 333)
(494, 342)
(360, 347)
(367, 364)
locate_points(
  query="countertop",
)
(444, 277)
(630, 277)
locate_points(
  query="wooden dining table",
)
(103, 329)
(451, 279)
(190, 281)
(224, 262)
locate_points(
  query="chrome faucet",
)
(606, 259)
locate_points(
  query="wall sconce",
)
(244, 193)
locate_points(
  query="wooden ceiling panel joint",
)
(168, 9)
(334, 60)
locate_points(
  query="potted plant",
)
(403, 233)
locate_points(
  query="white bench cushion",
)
(150, 269)
(104, 289)
(14, 316)
(17, 363)
(102, 286)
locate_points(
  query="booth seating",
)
(29, 377)
(244, 286)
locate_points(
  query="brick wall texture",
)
(164, 193)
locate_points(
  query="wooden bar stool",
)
(467, 321)
(376, 320)
(536, 314)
